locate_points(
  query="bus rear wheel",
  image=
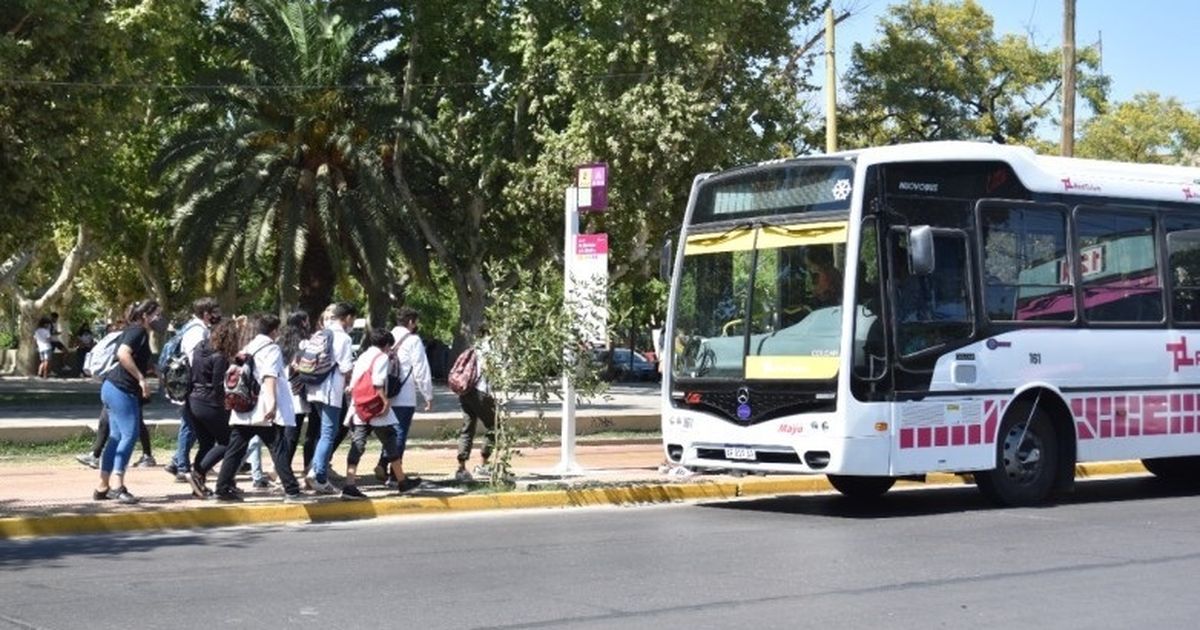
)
(857, 487)
(1176, 469)
(1026, 460)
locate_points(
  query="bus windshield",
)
(761, 303)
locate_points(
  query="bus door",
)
(932, 319)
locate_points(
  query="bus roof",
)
(1052, 174)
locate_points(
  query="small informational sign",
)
(589, 271)
(591, 182)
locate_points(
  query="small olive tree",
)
(536, 338)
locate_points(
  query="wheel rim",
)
(1022, 458)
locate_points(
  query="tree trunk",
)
(317, 278)
(471, 290)
(30, 309)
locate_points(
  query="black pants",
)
(102, 431)
(211, 426)
(480, 407)
(292, 435)
(239, 440)
(387, 438)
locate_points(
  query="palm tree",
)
(282, 166)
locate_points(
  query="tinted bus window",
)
(1183, 268)
(1118, 269)
(1026, 273)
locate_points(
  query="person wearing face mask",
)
(123, 390)
(206, 313)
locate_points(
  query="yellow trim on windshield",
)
(767, 237)
(736, 240)
(791, 367)
(772, 236)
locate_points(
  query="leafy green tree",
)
(939, 72)
(1149, 129)
(282, 169)
(501, 100)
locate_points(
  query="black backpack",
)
(395, 381)
(175, 367)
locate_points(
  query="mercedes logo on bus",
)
(743, 400)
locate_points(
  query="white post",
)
(567, 464)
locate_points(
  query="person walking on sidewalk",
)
(372, 413)
(296, 331)
(206, 313)
(478, 406)
(123, 389)
(410, 352)
(41, 336)
(210, 419)
(328, 398)
(272, 412)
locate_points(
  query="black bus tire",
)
(1024, 472)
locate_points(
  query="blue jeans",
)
(254, 456)
(187, 438)
(123, 428)
(330, 417)
(405, 416)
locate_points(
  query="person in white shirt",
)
(270, 415)
(371, 370)
(206, 313)
(41, 337)
(328, 398)
(414, 365)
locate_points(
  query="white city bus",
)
(961, 307)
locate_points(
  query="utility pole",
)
(830, 85)
(1068, 53)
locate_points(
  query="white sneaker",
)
(323, 488)
(483, 472)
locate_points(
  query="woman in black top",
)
(122, 392)
(210, 418)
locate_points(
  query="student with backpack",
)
(294, 332)
(175, 372)
(256, 390)
(123, 390)
(325, 361)
(210, 418)
(371, 411)
(409, 351)
(98, 362)
(468, 380)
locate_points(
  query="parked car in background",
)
(623, 364)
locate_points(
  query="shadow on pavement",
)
(947, 500)
(17, 555)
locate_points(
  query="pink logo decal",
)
(1189, 194)
(1070, 185)
(1180, 355)
(791, 429)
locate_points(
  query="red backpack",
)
(463, 375)
(367, 402)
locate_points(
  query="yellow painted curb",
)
(336, 510)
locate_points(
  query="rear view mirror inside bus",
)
(920, 250)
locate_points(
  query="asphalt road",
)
(1119, 554)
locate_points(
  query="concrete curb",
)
(333, 510)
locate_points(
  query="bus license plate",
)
(740, 452)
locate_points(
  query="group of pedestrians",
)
(300, 372)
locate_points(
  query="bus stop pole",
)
(567, 464)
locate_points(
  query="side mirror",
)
(664, 261)
(920, 250)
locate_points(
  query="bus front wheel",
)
(861, 487)
(1026, 460)
(1176, 469)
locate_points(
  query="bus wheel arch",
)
(1035, 451)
